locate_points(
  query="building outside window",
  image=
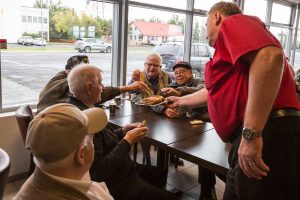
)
(24, 18)
(29, 19)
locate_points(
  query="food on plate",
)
(153, 100)
(196, 122)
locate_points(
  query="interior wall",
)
(11, 142)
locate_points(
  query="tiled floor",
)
(184, 178)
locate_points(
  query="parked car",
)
(39, 42)
(92, 44)
(25, 40)
(172, 53)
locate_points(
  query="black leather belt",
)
(284, 113)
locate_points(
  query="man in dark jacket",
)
(184, 84)
(125, 179)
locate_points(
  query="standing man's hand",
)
(250, 158)
(173, 102)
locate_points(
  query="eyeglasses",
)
(176, 73)
(151, 64)
(84, 59)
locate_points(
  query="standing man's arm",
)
(196, 99)
(266, 68)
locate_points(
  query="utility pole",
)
(102, 10)
(42, 19)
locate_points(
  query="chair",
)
(4, 170)
(24, 116)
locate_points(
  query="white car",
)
(25, 40)
(92, 44)
(39, 42)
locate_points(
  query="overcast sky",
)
(253, 7)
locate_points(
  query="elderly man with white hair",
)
(125, 179)
(153, 77)
(61, 141)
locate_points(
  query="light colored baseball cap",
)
(59, 129)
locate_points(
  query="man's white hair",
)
(80, 76)
(155, 55)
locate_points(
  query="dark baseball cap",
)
(76, 60)
(183, 64)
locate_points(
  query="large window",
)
(158, 26)
(27, 67)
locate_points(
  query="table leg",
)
(207, 182)
(163, 160)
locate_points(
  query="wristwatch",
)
(250, 134)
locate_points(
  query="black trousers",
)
(146, 183)
(281, 152)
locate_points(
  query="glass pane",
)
(204, 4)
(30, 62)
(256, 8)
(200, 50)
(284, 16)
(168, 3)
(281, 34)
(154, 31)
(297, 53)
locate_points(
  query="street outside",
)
(26, 71)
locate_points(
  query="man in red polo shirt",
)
(252, 103)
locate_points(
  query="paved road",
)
(30, 71)
(34, 69)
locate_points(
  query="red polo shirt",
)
(226, 76)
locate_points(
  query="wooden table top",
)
(198, 144)
(163, 130)
(206, 149)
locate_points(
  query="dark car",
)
(172, 53)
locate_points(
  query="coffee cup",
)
(112, 108)
(118, 101)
